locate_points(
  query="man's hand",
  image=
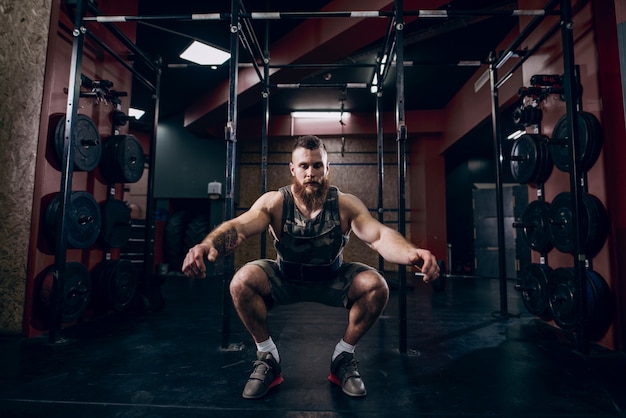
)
(426, 263)
(193, 265)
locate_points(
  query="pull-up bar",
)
(437, 14)
(320, 85)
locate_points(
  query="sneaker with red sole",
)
(345, 374)
(265, 375)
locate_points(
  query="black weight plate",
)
(597, 225)
(116, 223)
(524, 159)
(76, 291)
(109, 166)
(561, 232)
(545, 165)
(534, 287)
(536, 229)
(123, 159)
(115, 285)
(599, 300)
(83, 223)
(593, 229)
(86, 143)
(595, 133)
(132, 159)
(588, 133)
(561, 297)
(100, 274)
(603, 312)
(122, 285)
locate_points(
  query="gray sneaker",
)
(265, 375)
(344, 372)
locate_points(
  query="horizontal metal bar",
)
(302, 15)
(335, 65)
(124, 39)
(126, 18)
(104, 46)
(336, 14)
(312, 85)
(473, 63)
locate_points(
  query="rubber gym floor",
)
(465, 357)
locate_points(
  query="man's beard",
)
(311, 196)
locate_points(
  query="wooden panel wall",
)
(353, 169)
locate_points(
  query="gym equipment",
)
(86, 142)
(116, 223)
(115, 284)
(119, 118)
(533, 284)
(83, 225)
(527, 115)
(562, 298)
(76, 291)
(589, 142)
(535, 224)
(593, 229)
(530, 159)
(123, 159)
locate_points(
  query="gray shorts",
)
(331, 292)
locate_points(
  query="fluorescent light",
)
(204, 54)
(481, 81)
(374, 86)
(516, 134)
(136, 113)
(337, 115)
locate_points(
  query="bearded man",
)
(310, 222)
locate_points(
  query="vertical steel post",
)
(148, 270)
(231, 155)
(497, 149)
(264, 127)
(401, 139)
(576, 176)
(73, 95)
(381, 167)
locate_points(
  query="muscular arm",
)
(389, 243)
(225, 238)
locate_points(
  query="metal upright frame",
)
(577, 179)
(67, 167)
(241, 30)
(67, 164)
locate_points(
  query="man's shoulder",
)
(272, 197)
(348, 200)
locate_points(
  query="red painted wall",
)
(612, 105)
(596, 51)
(549, 60)
(97, 65)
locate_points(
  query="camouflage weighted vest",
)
(317, 241)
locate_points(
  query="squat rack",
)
(67, 163)
(394, 41)
(576, 175)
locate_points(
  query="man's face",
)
(309, 169)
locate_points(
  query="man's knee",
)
(371, 283)
(247, 281)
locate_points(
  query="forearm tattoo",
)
(225, 242)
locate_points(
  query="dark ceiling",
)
(434, 45)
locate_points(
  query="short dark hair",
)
(310, 142)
